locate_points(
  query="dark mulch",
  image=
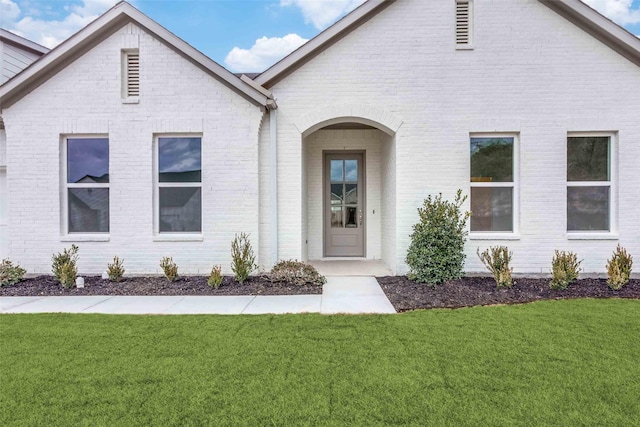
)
(406, 295)
(191, 285)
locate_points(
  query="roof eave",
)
(600, 27)
(27, 44)
(321, 42)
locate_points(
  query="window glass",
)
(492, 209)
(88, 210)
(180, 209)
(588, 158)
(588, 208)
(491, 159)
(180, 159)
(87, 160)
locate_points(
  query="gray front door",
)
(344, 197)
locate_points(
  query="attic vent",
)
(133, 74)
(463, 23)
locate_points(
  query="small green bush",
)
(497, 260)
(169, 268)
(243, 261)
(619, 268)
(64, 266)
(565, 268)
(436, 252)
(10, 274)
(215, 278)
(295, 272)
(115, 270)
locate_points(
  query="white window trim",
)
(64, 196)
(515, 184)
(186, 236)
(612, 233)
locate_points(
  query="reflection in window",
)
(179, 184)
(492, 184)
(588, 183)
(87, 185)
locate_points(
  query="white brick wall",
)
(175, 97)
(531, 72)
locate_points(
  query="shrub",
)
(169, 268)
(115, 270)
(295, 272)
(619, 268)
(215, 278)
(65, 266)
(10, 274)
(436, 251)
(243, 261)
(497, 259)
(565, 268)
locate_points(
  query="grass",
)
(569, 362)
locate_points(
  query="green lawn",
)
(573, 362)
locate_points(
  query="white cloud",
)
(322, 13)
(50, 33)
(619, 11)
(264, 53)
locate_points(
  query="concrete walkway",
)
(348, 295)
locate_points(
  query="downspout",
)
(273, 187)
(271, 107)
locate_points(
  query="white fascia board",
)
(319, 42)
(599, 26)
(22, 42)
(114, 18)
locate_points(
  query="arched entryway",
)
(349, 184)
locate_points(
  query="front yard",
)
(570, 362)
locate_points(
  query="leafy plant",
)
(10, 274)
(295, 272)
(497, 260)
(215, 278)
(64, 266)
(115, 270)
(243, 261)
(169, 268)
(565, 268)
(619, 268)
(436, 252)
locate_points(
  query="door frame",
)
(325, 182)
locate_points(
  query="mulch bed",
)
(406, 295)
(191, 285)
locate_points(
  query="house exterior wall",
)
(369, 141)
(4, 247)
(539, 77)
(176, 97)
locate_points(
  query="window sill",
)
(178, 238)
(464, 47)
(85, 238)
(592, 236)
(131, 100)
(494, 236)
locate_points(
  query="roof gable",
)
(98, 30)
(16, 40)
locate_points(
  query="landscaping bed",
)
(407, 295)
(156, 285)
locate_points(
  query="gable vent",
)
(463, 23)
(133, 74)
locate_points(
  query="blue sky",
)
(242, 35)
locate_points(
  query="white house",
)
(127, 141)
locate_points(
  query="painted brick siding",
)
(175, 97)
(531, 72)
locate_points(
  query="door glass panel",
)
(352, 217)
(336, 194)
(336, 217)
(351, 169)
(351, 196)
(337, 170)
